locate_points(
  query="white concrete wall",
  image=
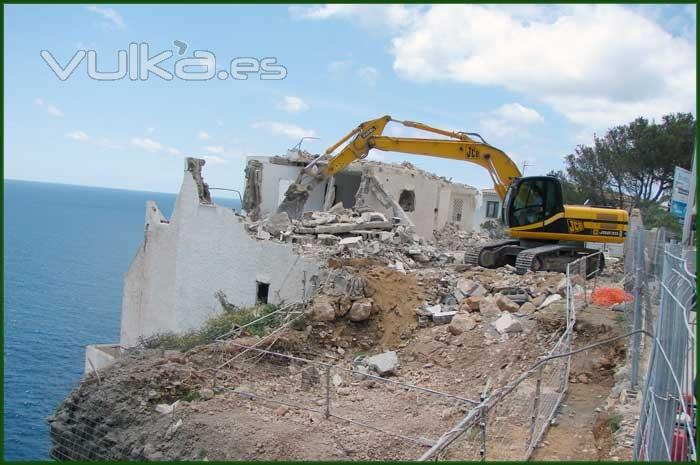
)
(99, 356)
(431, 194)
(486, 196)
(272, 174)
(171, 283)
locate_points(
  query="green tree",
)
(632, 165)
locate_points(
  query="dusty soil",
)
(583, 428)
(115, 417)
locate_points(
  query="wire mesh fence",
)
(510, 421)
(666, 429)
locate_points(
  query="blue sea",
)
(67, 249)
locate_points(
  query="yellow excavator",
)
(545, 233)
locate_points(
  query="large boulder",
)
(321, 310)
(361, 310)
(460, 323)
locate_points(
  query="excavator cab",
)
(530, 201)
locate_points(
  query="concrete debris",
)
(383, 364)
(507, 324)
(276, 224)
(549, 300)
(351, 241)
(527, 308)
(167, 408)
(505, 304)
(461, 323)
(443, 318)
(337, 380)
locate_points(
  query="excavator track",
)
(525, 259)
(472, 258)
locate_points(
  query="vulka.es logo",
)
(139, 64)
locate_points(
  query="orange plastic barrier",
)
(608, 296)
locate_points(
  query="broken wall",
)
(277, 176)
(204, 248)
(434, 201)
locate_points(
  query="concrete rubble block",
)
(383, 364)
(361, 310)
(337, 380)
(321, 311)
(507, 323)
(549, 300)
(461, 323)
(370, 217)
(343, 228)
(517, 295)
(361, 371)
(466, 286)
(167, 408)
(328, 239)
(537, 301)
(505, 304)
(478, 291)
(433, 309)
(488, 307)
(353, 241)
(385, 236)
(527, 308)
(276, 223)
(263, 235)
(474, 303)
(337, 208)
(443, 318)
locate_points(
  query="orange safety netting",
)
(607, 296)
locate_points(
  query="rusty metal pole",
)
(535, 407)
(328, 391)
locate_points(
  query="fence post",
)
(535, 407)
(328, 391)
(638, 276)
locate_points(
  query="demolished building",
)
(421, 199)
(204, 251)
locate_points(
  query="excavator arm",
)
(368, 135)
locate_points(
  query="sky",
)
(533, 80)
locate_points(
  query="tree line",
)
(631, 166)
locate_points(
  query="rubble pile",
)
(362, 233)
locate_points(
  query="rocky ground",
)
(414, 314)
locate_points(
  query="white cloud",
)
(203, 135)
(54, 111)
(173, 151)
(380, 18)
(284, 129)
(518, 113)
(598, 65)
(147, 144)
(214, 149)
(106, 143)
(511, 118)
(112, 18)
(50, 109)
(214, 160)
(368, 74)
(78, 136)
(292, 104)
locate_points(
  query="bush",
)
(217, 326)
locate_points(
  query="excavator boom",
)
(534, 213)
